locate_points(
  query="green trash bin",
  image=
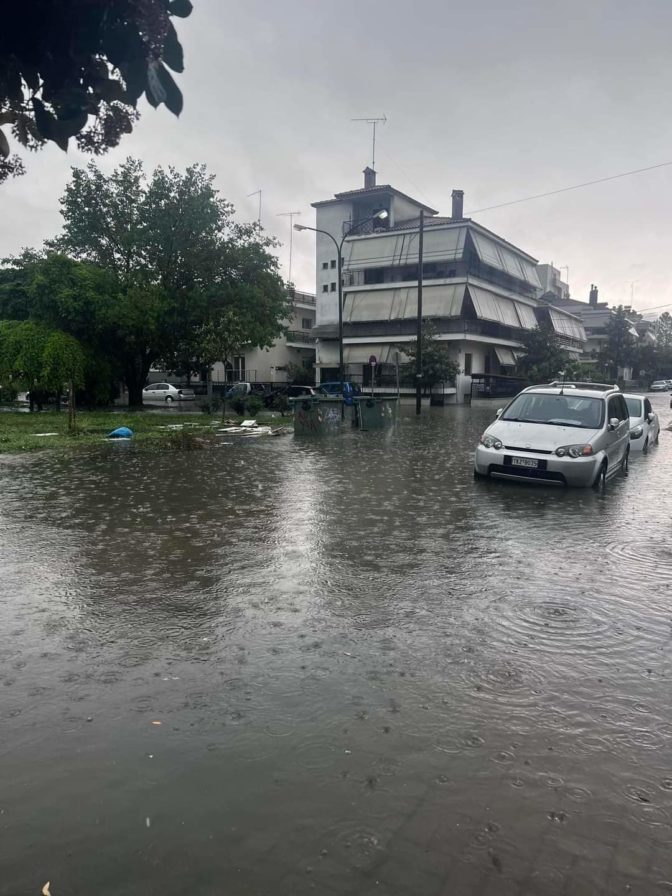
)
(318, 415)
(376, 413)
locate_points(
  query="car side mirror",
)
(613, 424)
(650, 417)
(499, 412)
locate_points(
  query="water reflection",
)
(367, 668)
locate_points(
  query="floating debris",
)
(45, 889)
(121, 432)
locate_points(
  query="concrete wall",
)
(329, 218)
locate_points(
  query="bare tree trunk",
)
(72, 421)
(208, 381)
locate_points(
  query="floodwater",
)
(337, 667)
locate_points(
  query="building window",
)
(306, 323)
(333, 262)
(325, 265)
(333, 287)
(467, 363)
(325, 287)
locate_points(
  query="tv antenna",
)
(291, 216)
(373, 122)
(256, 193)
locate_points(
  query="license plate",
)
(524, 462)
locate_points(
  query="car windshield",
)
(634, 406)
(556, 410)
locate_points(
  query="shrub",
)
(280, 403)
(254, 405)
(238, 405)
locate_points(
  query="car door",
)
(618, 438)
(149, 392)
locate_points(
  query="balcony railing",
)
(302, 336)
(302, 298)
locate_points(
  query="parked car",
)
(334, 388)
(238, 390)
(564, 434)
(166, 393)
(644, 424)
(659, 386)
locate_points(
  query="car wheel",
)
(601, 478)
(655, 441)
(645, 449)
(169, 399)
(478, 475)
(625, 462)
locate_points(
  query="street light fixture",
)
(382, 215)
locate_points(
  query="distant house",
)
(479, 290)
(270, 365)
(595, 317)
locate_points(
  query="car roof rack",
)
(602, 387)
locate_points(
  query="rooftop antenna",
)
(291, 216)
(257, 193)
(373, 122)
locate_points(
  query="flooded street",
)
(339, 667)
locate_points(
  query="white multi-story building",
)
(479, 290)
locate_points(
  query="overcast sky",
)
(501, 100)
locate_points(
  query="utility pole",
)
(418, 354)
(373, 122)
(257, 193)
(291, 216)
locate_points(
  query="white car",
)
(659, 386)
(166, 393)
(644, 424)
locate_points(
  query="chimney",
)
(369, 178)
(458, 205)
(592, 297)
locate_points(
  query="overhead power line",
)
(588, 183)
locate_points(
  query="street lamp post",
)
(379, 216)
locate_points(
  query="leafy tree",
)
(179, 261)
(62, 63)
(63, 362)
(436, 364)
(218, 340)
(544, 358)
(300, 375)
(42, 360)
(619, 349)
(22, 345)
(663, 332)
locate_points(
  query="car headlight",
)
(489, 441)
(637, 432)
(574, 451)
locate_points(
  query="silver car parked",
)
(166, 393)
(644, 425)
(563, 434)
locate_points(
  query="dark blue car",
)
(334, 388)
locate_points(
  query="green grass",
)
(19, 430)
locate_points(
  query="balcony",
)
(304, 337)
(302, 298)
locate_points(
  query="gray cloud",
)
(501, 100)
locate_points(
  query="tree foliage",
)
(619, 349)
(436, 364)
(543, 358)
(77, 69)
(663, 332)
(149, 270)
